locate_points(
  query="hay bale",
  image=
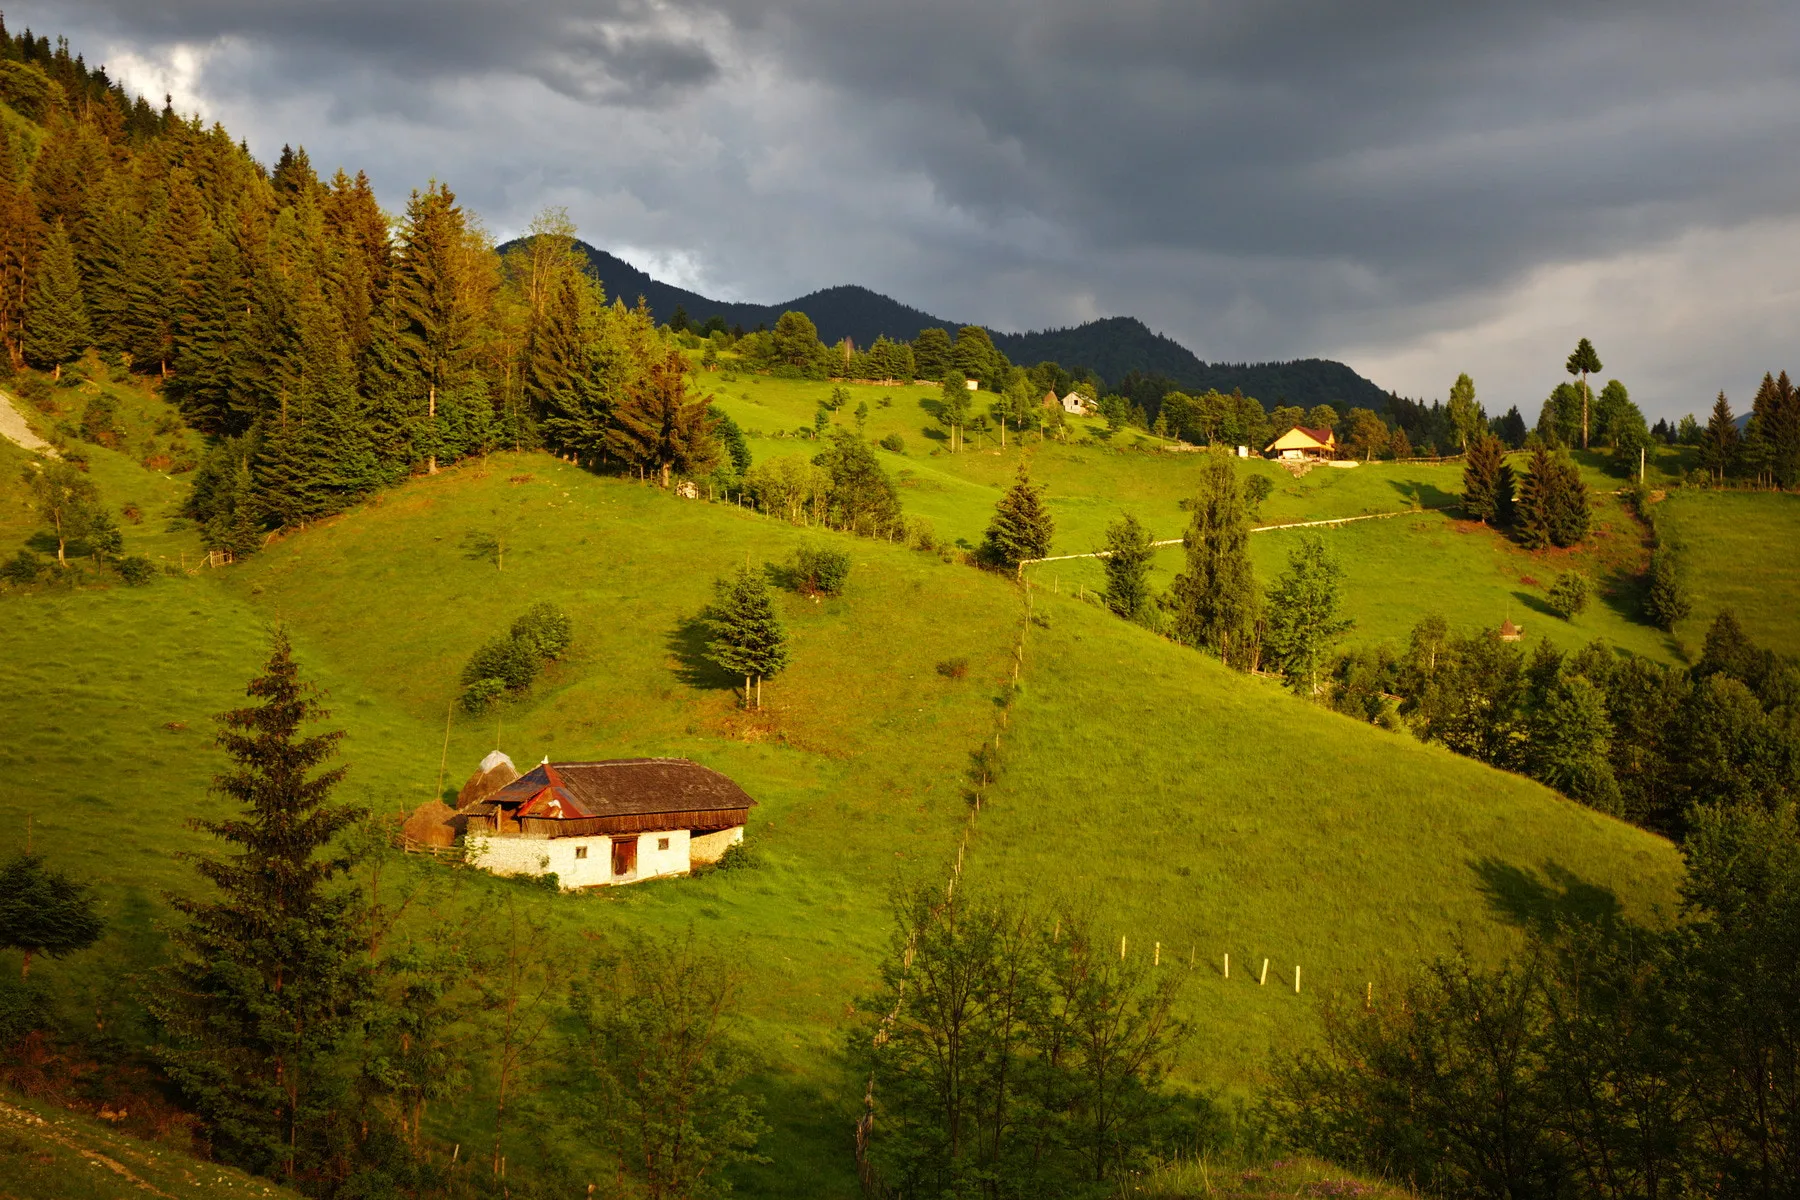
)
(494, 773)
(430, 825)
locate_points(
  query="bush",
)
(23, 567)
(513, 662)
(99, 420)
(821, 570)
(1667, 600)
(953, 668)
(36, 391)
(739, 856)
(136, 570)
(483, 694)
(546, 629)
(893, 443)
(1569, 595)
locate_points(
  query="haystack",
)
(431, 825)
(494, 773)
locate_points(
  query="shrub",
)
(36, 391)
(1667, 600)
(920, 535)
(513, 662)
(893, 443)
(739, 856)
(1569, 595)
(821, 570)
(483, 694)
(136, 570)
(953, 668)
(23, 567)
(99, 420)
(546, 629)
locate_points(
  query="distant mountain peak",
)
(1112, 347)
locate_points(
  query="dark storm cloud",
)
(1258, 179)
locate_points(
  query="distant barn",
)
(1300, 444)
(596, 824)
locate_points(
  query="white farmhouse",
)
(595, 824)
(1075, 403)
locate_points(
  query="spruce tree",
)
(1569, 511)
(270, 976)
(1021, 527)
(206, 343)
(1667, 601)
(931, 353)
(1481, 477)
(1214, 599)
(1129, 552)
(43, 911)
(1532, 515)
(21, 233)
(56, 321)
(559, 370)
(1719, 441)
(659, 427)
(747, 637)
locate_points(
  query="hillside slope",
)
(1194, 807)
(1112, 346)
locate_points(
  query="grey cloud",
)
(1257, 179)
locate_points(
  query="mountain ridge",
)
(1112, 347)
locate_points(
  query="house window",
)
(581, 852)
(662, 843)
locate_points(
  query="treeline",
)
(1766, 451)
(355, 1022)
(327, 349)
(1628, 736)
(1610, 1061)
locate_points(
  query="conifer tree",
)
(931, 353)
(559, 369)
(206, 343)
(43, 911)
(1481, 477)
(1021, 528)
(1569, 510)
(1130, 550)
(658, 427)
(271, 975)
(56, 322)
(1214, 599)
(1532, 517)
(747, 637)
(1583, 361)
(1719, 442)
(21, 232)
(1303, 616)
(1667, 601)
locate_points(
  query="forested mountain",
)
(1112, 347)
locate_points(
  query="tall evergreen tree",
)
(1583, 361)
(1214, 599)
(862, 499)
(1129, 551)
(21, 233)
(559, 370)
(1021, 527)
(931, 353)
(747, 637)
(270, 977)
(659, 427)
(56, 322)
(1719, 442)
(1666, 602)
(1481, 477)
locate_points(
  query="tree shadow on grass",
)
(1544, 903)
(687, 646)
(1428, 495)
(1536, 604)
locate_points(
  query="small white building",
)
(596, 824)
(1075, 403)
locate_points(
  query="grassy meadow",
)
(1739, 550)
(1137, 774)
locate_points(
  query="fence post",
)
(1296, 979)
(1228, 966)
(1264, 977)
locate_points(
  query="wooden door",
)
(624, 854)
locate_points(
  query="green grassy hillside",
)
(1217, 815)
(1195, 807)
(49, 1154)
(1740, 550)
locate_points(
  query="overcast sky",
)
(1415, 188)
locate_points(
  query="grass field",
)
(1740, 550)
(1124, 750)
(49, 1154)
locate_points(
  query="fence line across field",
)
(1026, 562)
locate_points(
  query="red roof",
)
(1322, 436)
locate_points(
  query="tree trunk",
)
(26, 969)
(431, 412)
(759, 693)
(665, 475)
(746, 692)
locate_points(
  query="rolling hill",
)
(1113, 347)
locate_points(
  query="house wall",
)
(541, 856)
(711, 847)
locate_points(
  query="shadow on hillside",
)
(1428, 495)
(687, 646)
(1536, 604)
(1542, 903)
(810, 1130)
